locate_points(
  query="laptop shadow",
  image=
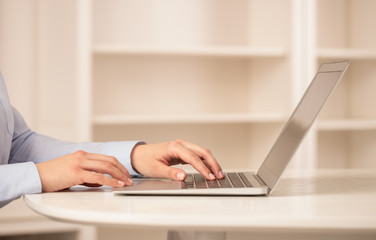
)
(325, 184)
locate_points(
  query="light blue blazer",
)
(21, 149)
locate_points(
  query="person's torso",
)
(6, 123)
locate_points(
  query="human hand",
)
(82, 168)
(154, 160)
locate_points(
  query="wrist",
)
(135, 154)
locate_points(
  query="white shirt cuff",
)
(122, 151)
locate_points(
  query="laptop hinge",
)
(261, 182)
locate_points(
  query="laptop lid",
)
(305, 113)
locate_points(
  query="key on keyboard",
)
(245, 180)
(200, 181)
(188, 182)
(235, 180)
(225, 183)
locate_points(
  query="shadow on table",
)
(324, 185)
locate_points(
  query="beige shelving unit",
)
(206, 71)
(227, 75)
(347, 130)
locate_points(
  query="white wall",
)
(18, 54)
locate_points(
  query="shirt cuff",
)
(122, 151)
(18, 179)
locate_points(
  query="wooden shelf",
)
(343, 53)
(220, 51)
(188, 118)
(346, 124)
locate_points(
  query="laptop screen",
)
(300, 121)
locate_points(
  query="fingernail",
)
(121, 183)
(130, 181)
(220, 173)
(180, 176)
(211, 176)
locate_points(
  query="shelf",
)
(343, 53)
(220, 51)
(349, 124)
(188, 118)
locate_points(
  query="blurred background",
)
(223, 74)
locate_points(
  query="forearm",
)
(28, 146)
(39, 148)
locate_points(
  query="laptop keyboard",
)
(231, 180)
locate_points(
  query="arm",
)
(153, 160)
(58, 168)
(36, 162)
(29, 146)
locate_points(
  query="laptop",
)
(264, 180)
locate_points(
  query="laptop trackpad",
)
(153, 184)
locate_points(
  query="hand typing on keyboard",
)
(155, 160)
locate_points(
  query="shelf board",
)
(221, 51)
(332, 53)
(347, 124)
(188, 118)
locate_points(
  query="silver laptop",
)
(262, 182)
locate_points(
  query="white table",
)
(326, 202)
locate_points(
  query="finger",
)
(163, 171)
(105, 168)
(206, 164)
(176, 161)
(110, 159)
(91, 185)
(88, 177)
(188, 156)
(103, 157)
(206, 155)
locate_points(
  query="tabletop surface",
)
(325, 199)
